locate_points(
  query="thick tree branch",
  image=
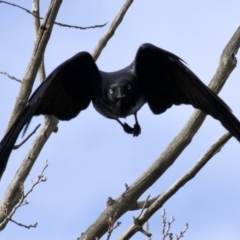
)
(39, 48)
(12, 193)
(156, 205)
(127, 201)
(37, 24)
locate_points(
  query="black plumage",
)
(156, 77)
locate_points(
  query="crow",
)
(156, 77)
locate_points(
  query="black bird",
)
(156, 77)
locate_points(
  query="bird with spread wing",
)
(156, 77)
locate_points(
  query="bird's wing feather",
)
(69, 88)
(166, 80)
(66, 91)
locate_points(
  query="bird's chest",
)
(117, 109)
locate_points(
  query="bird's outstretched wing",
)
(166, 80)
(66, 91)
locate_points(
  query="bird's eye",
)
(110, 91)
(128, 86)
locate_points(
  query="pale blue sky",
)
(91, 158)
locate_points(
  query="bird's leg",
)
(136, 127)
(126, 127)
(135, 131)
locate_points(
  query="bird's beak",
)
(120, 94)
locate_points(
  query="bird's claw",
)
(128, 129)
(135, 131)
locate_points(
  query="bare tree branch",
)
(57, 23)
(147, 230)
(127, 202)
(39, 48)
(155, 206)
(181, 234)
(110, 32)
(82, 28)
(139, 227)
(21, 201)
(12, 193)
(24, 225)
(143, 207)
(11, 77)
(112, 228)
(37, 24)
(41, 70)
(167, 227)
(141, 204)
(175, 148)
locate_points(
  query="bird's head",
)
(120, 90)
(120, 95)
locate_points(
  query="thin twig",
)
(11, 77)
(143, 207)
(111, 229)
(181, 234)
(82, 28)
(166, 226)
(140, 204)
(22, 201)
(147, 230)
(138, 226)
(24, 225)
(164, 221)
(20, 144)
(57, 23)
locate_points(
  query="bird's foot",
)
(128, 129)
(136, 130)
